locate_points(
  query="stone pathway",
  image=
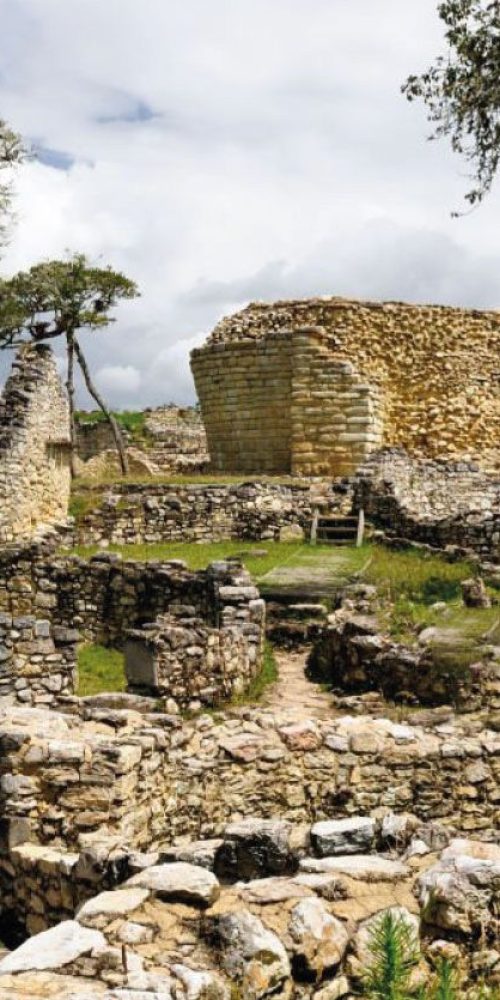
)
(316, 575)
(293, 695)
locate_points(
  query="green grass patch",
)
(81, 504)
(413, 574)
(100, 669)
(198, 555)
(267, 675)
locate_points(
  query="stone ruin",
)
(171, 440)
(313, 386)
(35, 474)
(165, 843)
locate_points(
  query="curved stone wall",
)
(313, 385)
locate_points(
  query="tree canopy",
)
(58, 297)
(12, 152)
(462, 88)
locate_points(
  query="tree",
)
(462, 88)
(57, 299)
(394, 949)
(12, 152)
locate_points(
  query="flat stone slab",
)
(54, 948)
(111, 904)
(272, 890)
(179, 880)
(364, 866)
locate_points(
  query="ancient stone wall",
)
(106, 596)
(72, 790)
(190, 664)
(37, 660)
(172, 438)
(285, 403)
(437, 503)
(34, 446)
(176, 439)
(431, 378)
(132, 514)
(94, 438)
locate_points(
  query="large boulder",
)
(319, 939)
(251, 954)
(107, 906)
(53, 949)
(461, 892)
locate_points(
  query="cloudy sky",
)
(220, 151)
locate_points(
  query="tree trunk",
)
(70, 386)
(102, 406)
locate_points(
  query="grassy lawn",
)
(409, 574)
(100, 669)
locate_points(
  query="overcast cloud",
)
(231, 150)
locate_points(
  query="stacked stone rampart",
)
(436, 503)
(34, 446)
(423, 377)
(285, 403)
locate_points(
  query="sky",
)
(223, 151)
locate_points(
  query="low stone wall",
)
(140, 781)
(106, 596)
(77, 797)
(141, 513)
(352, 656)
(181, 659)
(38, 661)
(436, 503)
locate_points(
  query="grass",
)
(199, 555)
(131, 420)
(179, 479)
(100, 669)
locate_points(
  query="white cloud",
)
(231, 150)
(118, 379)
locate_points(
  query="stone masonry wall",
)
(38, 661)
(435, 371)
(184, 660)
(135, 513)
(436, 503)
(106, 596)
(285, 403)
(173, 438)
(34, 446)
(77, 794)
